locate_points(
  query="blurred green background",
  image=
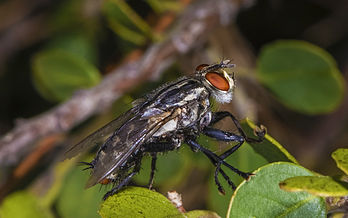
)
(291, 73)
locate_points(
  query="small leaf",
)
(161, 6)
(323, 186)
(125, 22)
(23, 205)
(130, 14)
(341, 158)
(138, 202)
(70, 16)
(303, 76)
(270, 149)
(201, 214)
(79, 44)
(57, 74)
(262, 197)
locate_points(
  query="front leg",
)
(217, 116)
(217, 161)
(224, 136)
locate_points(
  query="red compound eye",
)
(218, 81)
(200, 67)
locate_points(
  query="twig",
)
(194, 27)
(176, 200)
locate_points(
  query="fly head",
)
(215, 78)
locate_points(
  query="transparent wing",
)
(99, 135)
(123, 143)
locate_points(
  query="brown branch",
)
(23, 170)
(193, 28)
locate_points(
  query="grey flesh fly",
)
(175, 113)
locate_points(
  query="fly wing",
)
(117, 149)
(99, 135)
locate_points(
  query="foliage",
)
(138, 202)
(57, 74)
(269, 201)
(341, 158)
(23, 205)
(301, 76)
(269, 148)
(74, 200)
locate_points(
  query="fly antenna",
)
(222, 64)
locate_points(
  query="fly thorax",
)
(169, 126)
(189, 115)
(205, 120)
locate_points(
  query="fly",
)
(175, 113)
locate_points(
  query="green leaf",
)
(302, 76)
(262, 197)
(270, 149)
(133, 16)
(76, 201)
(70, 16)
(323, 186)
(161, 6)
(125, 22)
(201, 214)
(60, 171)
(23, 205)
(341, 158)
(79, 44)
(138, 202)
(57, 74)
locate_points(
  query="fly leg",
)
(153, 148)
(226, 136)
(217, 161)
(153, 169)
(217, 116)
(125, 181)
